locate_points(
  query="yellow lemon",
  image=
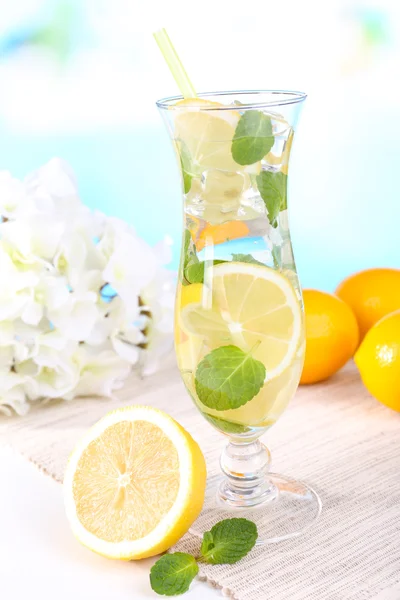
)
(331, 335)
(186, 294)
(207, 132)
(378, 360)
(250, 306)
(134, 484)
(257, 309)
(371, 294)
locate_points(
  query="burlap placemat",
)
(333, 435)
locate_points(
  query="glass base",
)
(284, 509)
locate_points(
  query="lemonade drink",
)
(239, 327)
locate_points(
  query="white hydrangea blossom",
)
(82, 297)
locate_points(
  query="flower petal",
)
(32, 313)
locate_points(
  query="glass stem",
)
(246, 483)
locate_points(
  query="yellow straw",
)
(174, 63)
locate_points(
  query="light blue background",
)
(344, 192)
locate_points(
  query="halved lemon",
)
(134, 484)
(252, 307)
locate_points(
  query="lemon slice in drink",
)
(134, 484)
(249, 306)
(207, 132)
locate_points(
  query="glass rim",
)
(292, 97)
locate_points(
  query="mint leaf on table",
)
(228, 541)
(227, 378)
(272, 186)
(253, 138)
(246, 258)
(172, 574)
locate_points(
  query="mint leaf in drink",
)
(187, 242)
(272, 186)
(277, 257)
(228, 541)
(253, 138)
(227, 378)
(189, 255)
(226, 426)
(194, 273)
(246, 258)
(173, 573)
(186, 167)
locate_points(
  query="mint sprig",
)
(173, 573)
(186, 167)
(227, 378)
(194, 273)
(253, 138)
(226, 543)
(226, 426)
(189, 255)
(246, 258)
(272, 186)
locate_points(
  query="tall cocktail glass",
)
(239, 326)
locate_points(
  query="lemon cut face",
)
(250, 306)
(134, 484)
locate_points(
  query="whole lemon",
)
(331, 335)
(378, 360)
(372, 294)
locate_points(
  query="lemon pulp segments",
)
(134, 484)
(245, 305)
(249, 304)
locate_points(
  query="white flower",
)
(50, 294)
(15, 286)
(32, 240)
(100, 373)
(80, 261)
(53, 189)
(82, 297)
(76, 318)
(131, 267)
(14, 201)
(13, 394)
(159, 299)
(111, 231)
(52, 374)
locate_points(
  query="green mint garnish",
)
(277, 257)
(253, 138)
(227, 378)
(226, 426)
(272, 186)
(194, 273)
(172, 574)
(189, 255)
(246, 258)
(228, 541)
(186, 167)
(189, 250)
